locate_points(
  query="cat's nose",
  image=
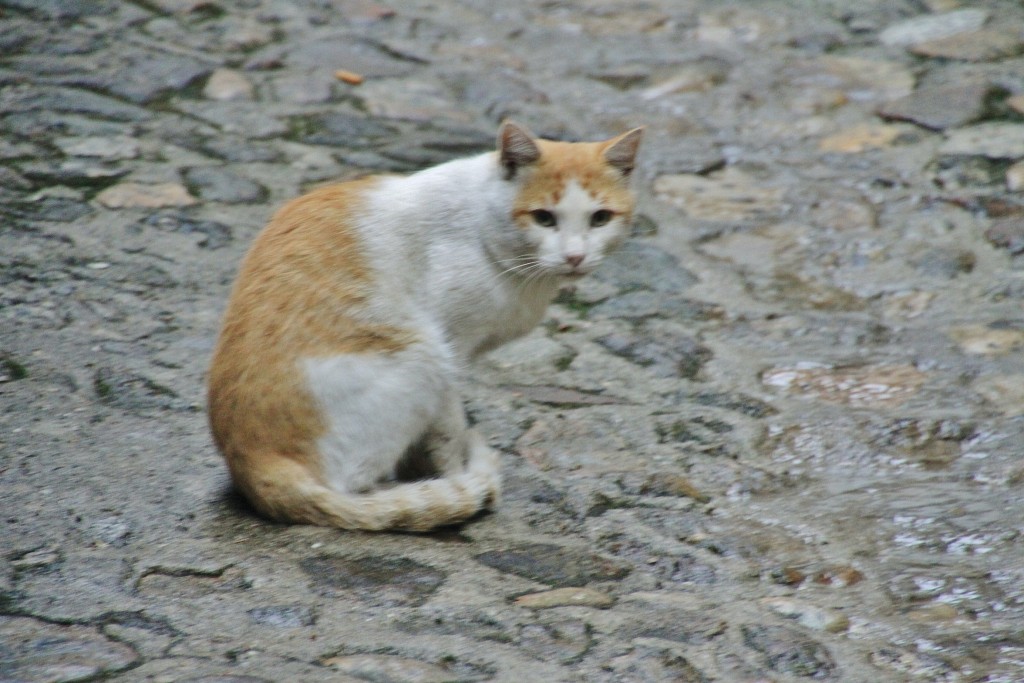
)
(574, 260)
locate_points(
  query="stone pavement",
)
(778, 438)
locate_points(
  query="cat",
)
(360, 303)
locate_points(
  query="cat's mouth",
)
(574, 274)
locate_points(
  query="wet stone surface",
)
(381, 580)
(777, 438)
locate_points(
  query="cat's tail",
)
(293, 494)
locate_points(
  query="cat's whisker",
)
(512, 264)
(521, 268)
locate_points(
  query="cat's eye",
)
(600, 217)
(544, 218)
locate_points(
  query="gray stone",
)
(939, 108)
(665, 622)
(349, 52)
(236, 117)
(215, 235)
(138, 195)
(73, 173)
(217, 184)
(500, 97)
(636, 306)
(142, 76)
(314, 86)
(12, 180)
(560, 396)
(222, 679)
(660, 351)
(240, 150)
(945, 262)
(388, 581)
(61, 9)
(48, 209)
(286, 616)
(415, 100)
(975, 46)
(809, 616)
(131, 391)
(38, 651)
(47, 98)
(646, 663)
(396, 669)
(565, 641)
(692, 154)
(741, 403)
(788, 651)
(992, 140)
(228, 84)
(1007, 233)
(699, 76)
(553, 565)
(933, 27)
(1015, 177)
(700, 430)
(622, 77)
(728, 196)
(36, 559)
(639, 266)
(339, 129)
(112, 531)
(562, 597)
(858, 79)
(52, 123)
(102, 147)
(969, 171)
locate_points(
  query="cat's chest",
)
(485, 314)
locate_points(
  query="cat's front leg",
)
(457, 449)
(448, 439)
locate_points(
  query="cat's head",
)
(572, 201)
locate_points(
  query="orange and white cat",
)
(359, 304)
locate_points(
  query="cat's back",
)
(357, 226)
(316, 233)
(305, 285)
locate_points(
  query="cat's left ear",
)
(516, 147)
(620, 152)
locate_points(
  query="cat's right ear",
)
(516, 148)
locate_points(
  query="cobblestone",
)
(778, 437)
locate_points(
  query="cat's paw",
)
(485, 462)
(482, 458)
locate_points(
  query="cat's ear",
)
(621, 151)
(516, 147)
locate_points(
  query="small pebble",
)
(810, 616)
(861, 138)
(349, 77)
(932, 26)
(36, 558)
(1015, 177)
(566, 597)
(228, 84)
(128, 195)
